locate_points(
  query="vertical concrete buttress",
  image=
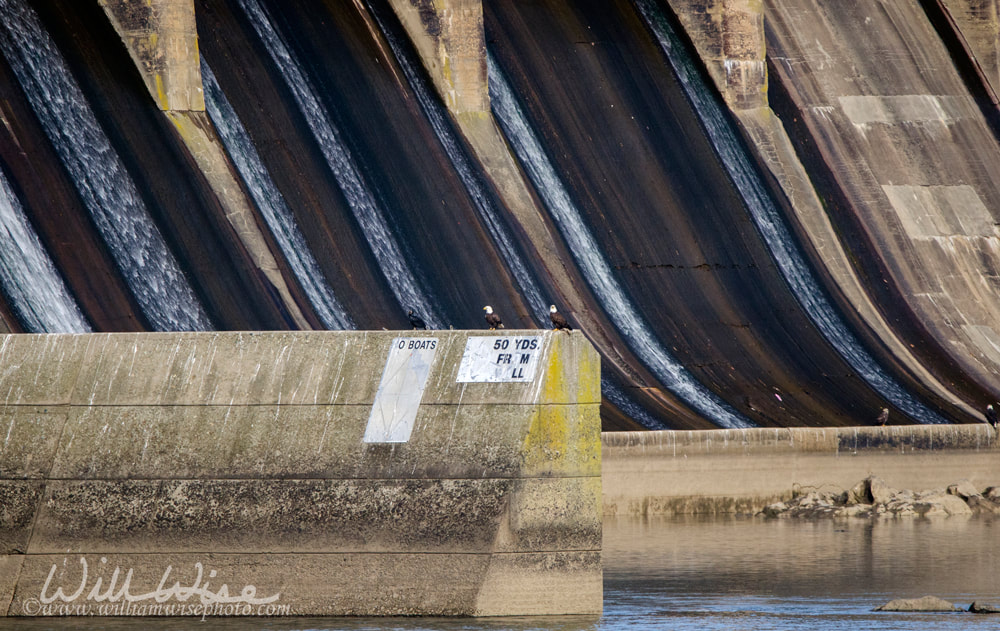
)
(449, 37)
(162, 39)
(729, 37)
(979, 23)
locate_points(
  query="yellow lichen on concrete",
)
(162, 38)
(561, 439)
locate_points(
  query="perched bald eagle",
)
(559, 322)
(883, 416)
(991, 415)
(492, 319)
(416, 321)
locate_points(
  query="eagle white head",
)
(552, 308)
(488, 309)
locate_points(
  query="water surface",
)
(728, 573)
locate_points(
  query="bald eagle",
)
(416, 321)
(559, 322)
(991, 415)
(492, 319)
(883, 416)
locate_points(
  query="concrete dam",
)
(761, 213)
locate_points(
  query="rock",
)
(981, 505)
(879, 490)
(978, 607)
(927, 603)
(775, 510)
(954, 505)
(859, 494)
(992, 493)
(941, 505)
(964, 490)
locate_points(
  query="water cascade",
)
(769, 223)
(272, 205)
(134, 242)
(434, 111)
(29, 278)
(592, 264)
(359, 195)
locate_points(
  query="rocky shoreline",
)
(873, 498)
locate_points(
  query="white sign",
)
(398, 397)
(500, 359)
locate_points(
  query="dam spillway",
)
(389, 201)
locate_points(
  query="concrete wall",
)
(162, 39)
(449, 37)
(741, 471)
(979, 23)
(155, 474)
(729, 36)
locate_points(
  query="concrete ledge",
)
(741, 471)
(244, 456)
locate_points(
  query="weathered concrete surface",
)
(742, 471)
(449, 37)
(888, 112)
(162, 38)
(770, 139)
(240, 456)
(729, 36)
(978, 21)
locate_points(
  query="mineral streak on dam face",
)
(301, 473)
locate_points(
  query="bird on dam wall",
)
(416, 321)
(492, 319)
(991, 415)
(559, 322)
(883, 416)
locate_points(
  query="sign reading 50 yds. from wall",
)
(500, 359)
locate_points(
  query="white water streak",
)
(768, 221)
(29, 278)
(272, 206)
(595, 269)
(434, 111)
(388, 255)
(99, 175)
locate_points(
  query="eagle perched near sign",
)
(492, 319)
(559, 322)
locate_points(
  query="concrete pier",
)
(741, 471)
(340, 473)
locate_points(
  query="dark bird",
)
(559, 322)
(883, 416)
(416, 321)
(991, 415)
(492, 319)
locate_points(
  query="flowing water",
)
(768, 221)
(100, 176)
(30, 280)
(271, 204)
(593, 265)
(729, 574)
(359, 195)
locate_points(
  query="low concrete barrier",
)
(741, 471)
(306, 473)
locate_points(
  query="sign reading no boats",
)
(497, 359)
